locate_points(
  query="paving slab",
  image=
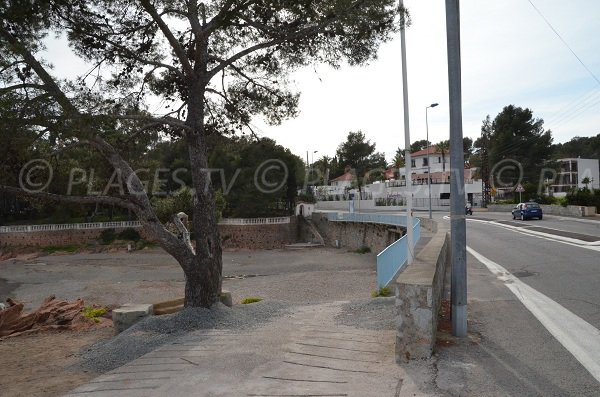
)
(304, 353)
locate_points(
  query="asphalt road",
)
(514, 349)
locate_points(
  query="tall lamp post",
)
(428, 162)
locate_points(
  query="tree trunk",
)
(203, 279)
(203, 282)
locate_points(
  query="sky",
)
(509, 56)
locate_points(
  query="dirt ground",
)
(46, 364)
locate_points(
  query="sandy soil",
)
(43, 364)
(46, 364)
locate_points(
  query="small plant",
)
(251, 299)
(52, 249)
(94, 312)
(383, 291)
(363, 250)
(129, 234)
(108, 236)
(140, 245)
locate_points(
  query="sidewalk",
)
(304, 353)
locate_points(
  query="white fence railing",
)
(68, 226)
(255, 221)
(115, 225)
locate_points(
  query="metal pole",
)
(407, 167)
(457, 182)
(428, 161)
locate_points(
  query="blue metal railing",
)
(394, 257)
(386, 219)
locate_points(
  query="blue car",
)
(529, 210)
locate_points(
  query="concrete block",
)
(129, 314)
(226, 298)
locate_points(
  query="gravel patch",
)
(155, 331)
(375, 314)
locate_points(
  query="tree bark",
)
(203, 282)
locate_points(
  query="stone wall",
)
(569, 210)
(419, 291)
(259, 236)
(355, 235)
(56, 238)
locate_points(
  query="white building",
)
(437, 174)
(571, 174)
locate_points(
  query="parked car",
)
(527, 211)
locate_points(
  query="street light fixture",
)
(428, 164)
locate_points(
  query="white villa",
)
(393, 190)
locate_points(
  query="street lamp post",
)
(428, 161)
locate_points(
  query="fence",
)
(68, 226)
(255, 221)
(128, 224)
(394, 257)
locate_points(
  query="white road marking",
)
(595, 246)
(578, 336)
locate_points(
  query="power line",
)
(564, 42)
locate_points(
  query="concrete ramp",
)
(302, 354)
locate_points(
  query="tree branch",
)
(51, 86)
(58, 198)
(185, 62)
(21, 86)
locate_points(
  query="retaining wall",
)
(419, 291)
(268, 236)
(355, 235)
(57, 237)
(259, 236)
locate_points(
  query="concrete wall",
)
(419, 291)
(233, 236)
(259, 236)
(354, 235)
(569, 210)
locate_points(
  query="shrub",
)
(51, 249)
(93, 313)
(129, 234)
(249, 300)
(107, 236)
(363, 250)
(383, 291)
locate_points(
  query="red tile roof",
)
(432, 150)
(346, 177)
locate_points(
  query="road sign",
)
(519, 188)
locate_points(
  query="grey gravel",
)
(155, 331)
(375, 314)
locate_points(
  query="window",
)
(439, 159)
(425, 162)
(412, 163)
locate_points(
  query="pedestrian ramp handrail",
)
(394, 257)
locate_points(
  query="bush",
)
(307, 198)
(584, 197)
(51, 249)
(383, 291)
(107, 236)
(94, 312)
(252, 299)
(363, 250)
(129, 234)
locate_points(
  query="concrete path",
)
(301, 354)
